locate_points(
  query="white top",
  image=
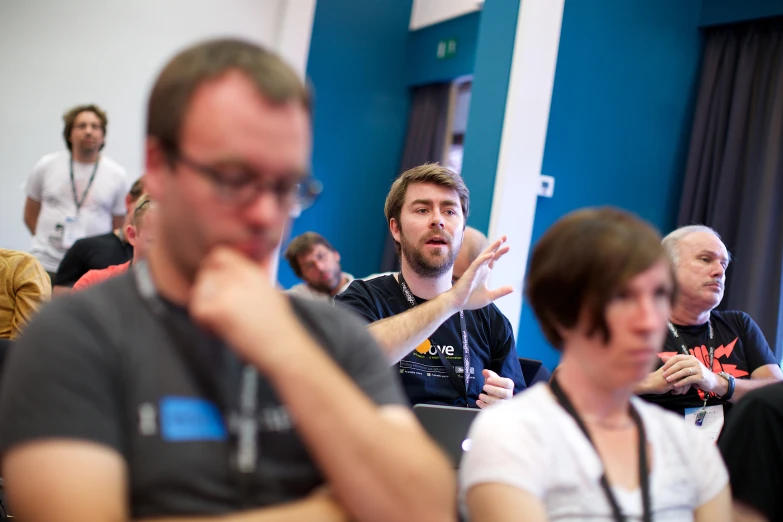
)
(305, 290)
(50, 184)
(532, 443)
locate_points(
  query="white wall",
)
(522, 143)
(54, 55)
(428, 12)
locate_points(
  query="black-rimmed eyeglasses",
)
(242, 188)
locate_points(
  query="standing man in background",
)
(75, 193)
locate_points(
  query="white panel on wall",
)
(428, 12)
(54, 55)
(521, 153)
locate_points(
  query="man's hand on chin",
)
(233, 297)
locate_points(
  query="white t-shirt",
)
(532, 443)
(50, 184)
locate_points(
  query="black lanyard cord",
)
(241, 419)
(461, 386)
(644, 480)
(79, 202)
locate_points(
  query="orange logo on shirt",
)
(424, 347)
(703, 354)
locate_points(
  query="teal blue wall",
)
(717, 12)
(494, 50)
(620, 118)
(423, 64)
(357, 66)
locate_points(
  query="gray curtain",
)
(423, 143)
(734, 176)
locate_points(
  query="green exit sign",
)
(447, 48)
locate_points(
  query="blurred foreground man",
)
(190, 388)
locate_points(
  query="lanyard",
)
(242, 420)
(644, 480)
(79, 202)
(684, 349)
(462, 387)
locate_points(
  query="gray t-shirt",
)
(102, 366)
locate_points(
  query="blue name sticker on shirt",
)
(185, 419)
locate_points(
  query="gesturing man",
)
(450, 344)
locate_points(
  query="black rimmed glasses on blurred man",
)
(242, 188)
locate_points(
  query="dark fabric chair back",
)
(534, 371)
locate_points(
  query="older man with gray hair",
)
(711, 358)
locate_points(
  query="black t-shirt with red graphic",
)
(740, 348)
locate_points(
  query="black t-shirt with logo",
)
(740, 348)
(490, 342)
(92, 253)
(101, 366)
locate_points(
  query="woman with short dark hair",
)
(584, 447)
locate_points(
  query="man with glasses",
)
(75, 193)
(191, 387)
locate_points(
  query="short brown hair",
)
(302, 244)
(582, 260)
(137, 189)
(69, 118)
(180, 78)
(428, 173)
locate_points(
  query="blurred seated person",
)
(473, 244)
(751, 448)
(139, 234)
(98, 252)
(711, 358)
(25, 287)
(314, 259)
(584, 447)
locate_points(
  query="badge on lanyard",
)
(73, 229)
(708, 420)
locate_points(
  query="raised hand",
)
(471, 291)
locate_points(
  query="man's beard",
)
(425, 266)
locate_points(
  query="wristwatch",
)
(730, 379)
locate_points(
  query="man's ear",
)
(157, 165)
(394, 228)
(130, 234)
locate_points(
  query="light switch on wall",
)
(547, 186)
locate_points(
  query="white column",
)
(293, 44)
(522, 143)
